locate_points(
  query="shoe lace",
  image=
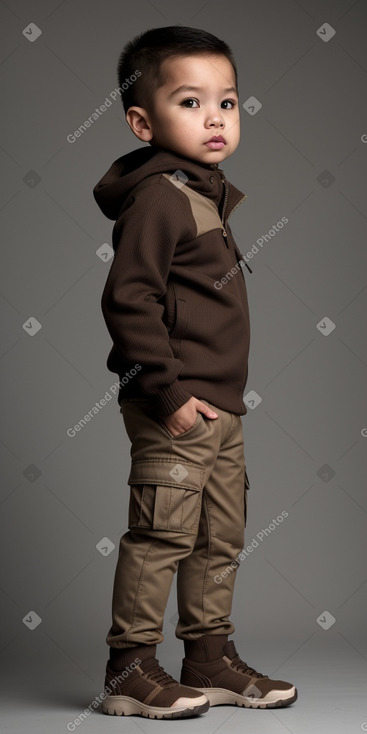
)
(242, 667)
(158, 675)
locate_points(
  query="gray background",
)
(61, 496)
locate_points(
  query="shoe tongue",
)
(229, 649)
(148, 664)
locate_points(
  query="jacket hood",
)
(127, 171)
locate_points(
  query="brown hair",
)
(146, 53)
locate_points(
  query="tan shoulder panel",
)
(203, 210)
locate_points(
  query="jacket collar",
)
(129, 170)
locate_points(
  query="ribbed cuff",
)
(171, 398)
(205, 648)
(121, 657)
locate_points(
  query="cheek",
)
(182, 123)
(174, 122)
(236, 126)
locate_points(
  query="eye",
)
(189, 106)
(229, 101)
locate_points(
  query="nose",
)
(215, 119)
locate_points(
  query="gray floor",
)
(46, 694)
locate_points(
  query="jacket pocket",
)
(165, 495)
(246, 488)
(178, 321)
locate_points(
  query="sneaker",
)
(147, 690)
(225, 679)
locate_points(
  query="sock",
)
(121, 657)
(205, 648)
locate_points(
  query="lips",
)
(216, 139)
(217, 142)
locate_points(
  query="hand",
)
(183, 418)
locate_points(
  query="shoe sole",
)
(218, 696)
(126, 706)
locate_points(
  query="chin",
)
(218, 157)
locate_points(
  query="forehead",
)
(215, 69)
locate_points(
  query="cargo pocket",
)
(246, 488)
(165, 495)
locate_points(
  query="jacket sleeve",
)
(144, 238)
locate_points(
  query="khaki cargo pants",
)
(187, 513)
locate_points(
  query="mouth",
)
(216, 142)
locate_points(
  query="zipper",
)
(224, 210)
(233, 210)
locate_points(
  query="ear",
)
(138, 120)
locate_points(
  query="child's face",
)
(184, 121)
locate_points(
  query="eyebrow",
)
(186, 88)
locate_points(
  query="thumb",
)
(202, 408)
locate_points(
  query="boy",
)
(175, 305)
